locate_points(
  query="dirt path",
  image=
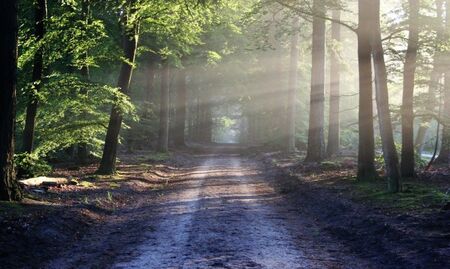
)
(224, 215)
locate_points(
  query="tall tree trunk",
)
(9, 189)
(382, 94)
(435, 77)
(407, 159)
(366, 148)
(129, 44)
(316, 151)
(180, 120)
(292, 89)
(444, 154)
(40, 14)
(334, 116)
(164, 109)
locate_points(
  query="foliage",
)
(31, 165)
(74, 112)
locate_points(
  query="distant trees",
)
(163, 144)
(334, 113)
(316, 143)
(292, 89)
(407, 154)
(444, 154)
(9, 189)
(180, 107)
(434, 78)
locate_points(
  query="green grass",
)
(413, 196)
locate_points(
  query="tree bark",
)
(316, 151)
(180, 120)
(334, 116)
(382, 96)
(366, 148)
(163, 145)
(407, 155)
(9, 189)
(444, 153)
(129, 44)
(292, 89)
(40, 14)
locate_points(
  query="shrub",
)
(31, 165)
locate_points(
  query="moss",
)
(413, 196)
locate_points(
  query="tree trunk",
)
(444, 154)
(129, 44)
(40, 14)
(407, 159)
(435, 77)
(180, 120)
(334, 116)
(382, 94)
(316, 151)
(366, 148)
(9, 189)
(164, 109)
(292, 89)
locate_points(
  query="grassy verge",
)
(415, 195)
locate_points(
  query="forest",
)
(225, 134)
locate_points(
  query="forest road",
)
(225, 215)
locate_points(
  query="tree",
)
(334, 118)
(407, 154)
(180, 115)
(444, 154)
(164, 108)
(130, 28)
(382, 96)
(316, 151)
(292, 89)
(9, 189)
(435, 77)
(40, 14)
(366, 148)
